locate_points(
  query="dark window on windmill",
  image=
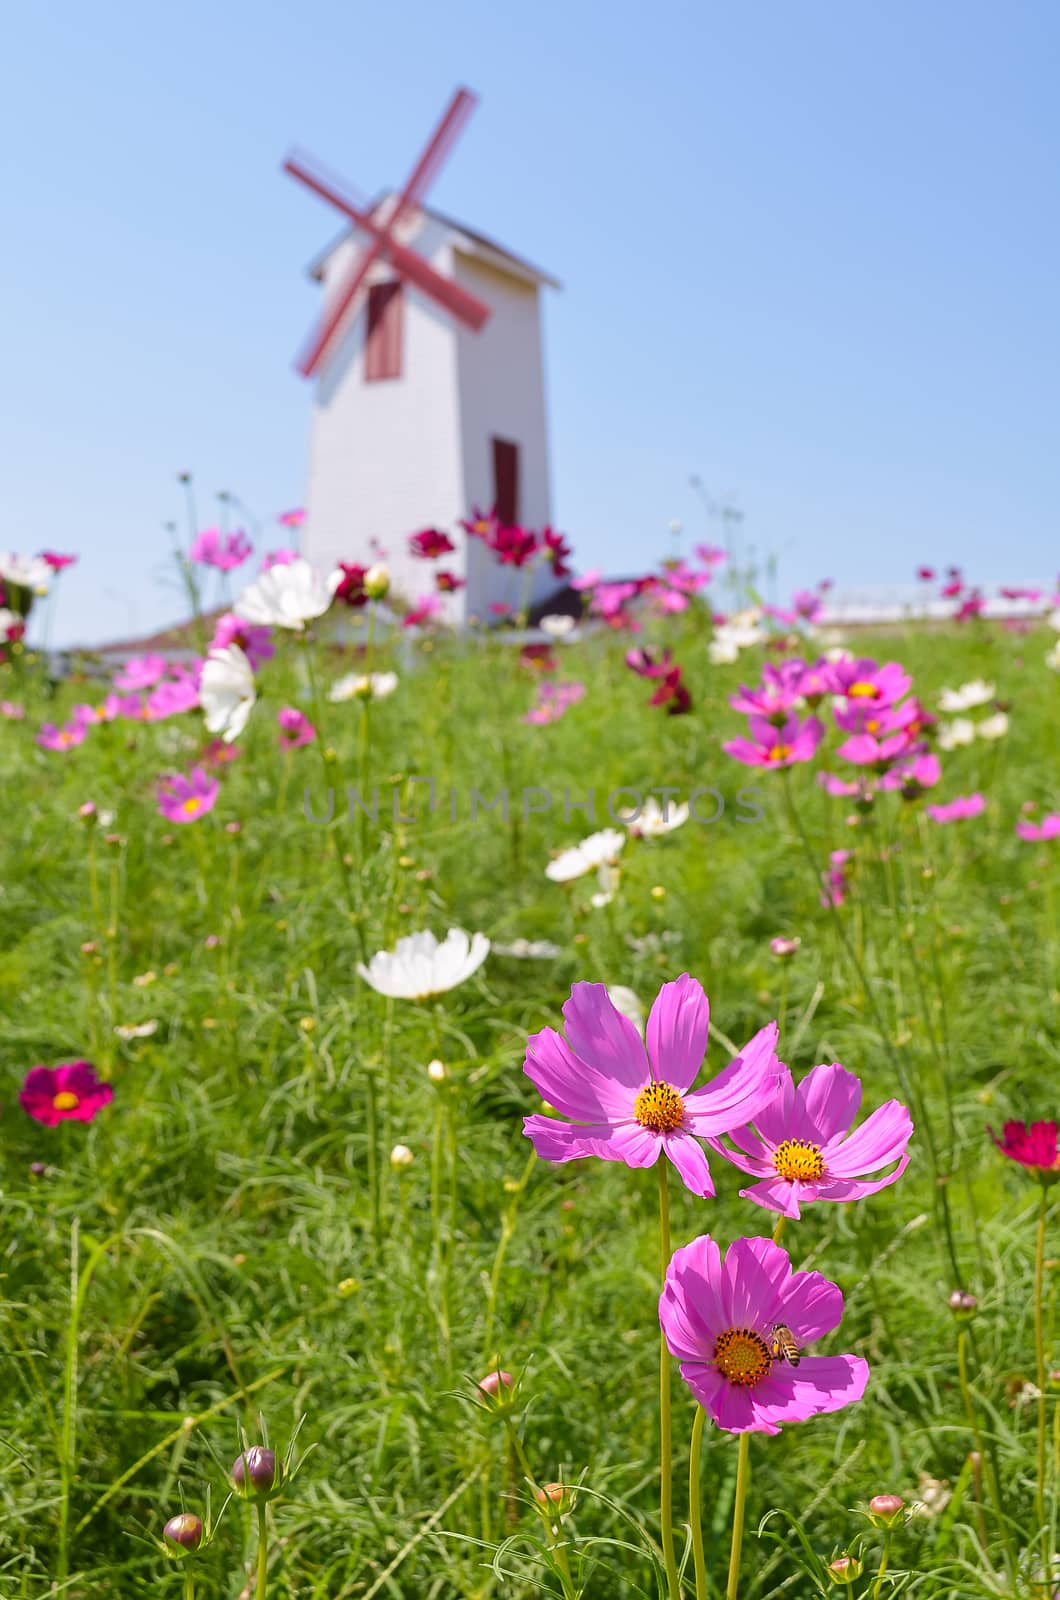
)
(382, 344)
(506, 481)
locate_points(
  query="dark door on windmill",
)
(506, 481)
(382, 345)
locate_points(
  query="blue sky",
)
(809, 252)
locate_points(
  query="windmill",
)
(429, 381)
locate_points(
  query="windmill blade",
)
(438, 147)
(464, 306)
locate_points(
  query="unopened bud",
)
(377, 581)
(844, 1569)
(886, 1509)
(497, 1391)
(257, 1472)
(783, 948)
(437, 1071)
(962, 1304)
(401, 1156)
(554, 1499)
(184, 1530)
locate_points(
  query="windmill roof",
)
(480, 244)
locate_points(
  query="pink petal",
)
(560, 1141)
(881, 1138)
(820, 1384)
(738, 1093)
(754, 1277)
(811, 1306)
(706, 1383)
(600, 1034)
(778, 1194)
(750, 1155)
(733, 1409)
(773, 1120)
(826, 1101)
(695, 1278)
(572, 1085)
(678, 1027)
(857, 1189)
(688, 1157)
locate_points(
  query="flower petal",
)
(826, 1102)
(881, 1138)
(688, 1156)
(754, 1277)
(599, 1033)
(819, 1384)
(678, 1029)
(740, 1092)
(811, 1306)
(777, 1194)
(570, 1084)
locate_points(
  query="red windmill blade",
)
(408, 265)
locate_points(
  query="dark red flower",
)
(557, 551)
(351, 587)
(480, 524)
(513, 547)
(448, 582)
(925, 574)
(538, 657)
(672, 694)
(56, 561)
(430, 544)
(69, 1092)
(644, 664)
(1034, 1147)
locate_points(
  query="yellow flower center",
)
(797, 1158)
(863, 691)
(872, 725)
(742, 1356)
(659, 1106)
(65, 1100)
(779, 752)
(190, 806)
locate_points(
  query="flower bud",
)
(554, 1499)
(257, 1473)
(437, 1071)
(885, 1510)
(962, 1304)
(497, 1391)
(377, 581)
(401, 1156)
(184, 1530)
(784, 948)
(844, 1569)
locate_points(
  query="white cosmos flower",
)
(595, 851)
(558, 626)
(418, 966)
(364, 686)
(1052, 657)
(608, 878)
(952, 734)
(967, 697)
(29, 572)
(137, 1030)
(653, 819)
(529, 950)
(286, 596)
(628, 1005)
(994, 727)
(1054, 619)
(722, 651)
(226, 690)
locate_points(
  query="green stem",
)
(263, 1553)
(743, 1477)
(666, 1487)
(189, 1584)
(973, 1421)
(882, 1568)
(1039, 1357)
(695, 1517)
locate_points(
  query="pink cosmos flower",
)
(65, 738)
(448, 582)
(774, 697)
(105, 711)
(867, 716)
(254, 642)
(430, 544)
(185, 799)
(971, 606)
(225, 551)
(219, 754)
(513, 547)
(291, 519)
(926, 574)
(864, 680)
(719, 1320)
(140, 672)
(554, 700)
(557, 552)
(278, 558)
(807, 605)
(710, 554)
(65, 1093)
(1034, 1147)
(801, 1148)
(913, 776)
(834, 785)
(173, 697)
(644, 664)
(1048, 828)
(588, 580)
(422, 612)
(867, 750)
(964, 806)
(8, 708)
(629, 1103)
(56, 561)
(499, 608)
(836, 878)
(772, 746)
(295, 728)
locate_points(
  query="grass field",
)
(228, 1245)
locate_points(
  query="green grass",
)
(220, 1210)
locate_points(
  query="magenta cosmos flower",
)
(295, 728)
(801, 1147)
(141, 672)
(254, 642)
(628, 1103)
(964, 806)
(225, 551)
(864, 680)
(719, 1320)
(430, 544)
(772, 746)
(70, 1092)
(65, 738)
(1034, 1147)
(1048, 828)
(185, 799)
(56, 560)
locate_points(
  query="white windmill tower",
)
(430, 395)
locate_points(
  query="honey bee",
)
(782, 1346)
